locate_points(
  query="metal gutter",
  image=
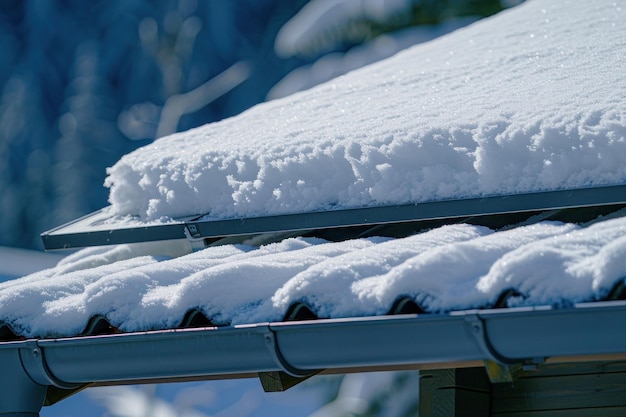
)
(299, 349)
(97, 229)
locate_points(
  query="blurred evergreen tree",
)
(82, 83)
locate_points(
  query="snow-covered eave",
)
(100, 228)
(300, 349)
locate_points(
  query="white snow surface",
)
(529, 99)
(445, 269)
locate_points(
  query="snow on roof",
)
(448, 268)
(530, 99)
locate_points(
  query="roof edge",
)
(47, 370)
(516, 335)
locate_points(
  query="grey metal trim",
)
(19, 394)
(520, 335)
(61, 238)
(278, 358)
(64, 238)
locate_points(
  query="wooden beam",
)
(576, 389)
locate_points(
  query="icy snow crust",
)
(531, 99)
(450, 268)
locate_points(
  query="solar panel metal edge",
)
(60, 238)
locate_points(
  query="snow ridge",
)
(450, 268)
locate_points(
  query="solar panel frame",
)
(100, 227)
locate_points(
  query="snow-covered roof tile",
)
(450, 268)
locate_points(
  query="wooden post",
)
(462, 392)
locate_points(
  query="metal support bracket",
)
(194, 237)
(35, 366)
(498, 373)
(289, 375)
(482, 338)
(272, 346)
(500, 369)
(191, 231)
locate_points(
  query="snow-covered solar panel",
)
(102, 228)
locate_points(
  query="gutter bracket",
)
(480, 334)
(499, 368)
(271, 344)
(288, 375)
(33, 360)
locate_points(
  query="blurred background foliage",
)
(84, 82)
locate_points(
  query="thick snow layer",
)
(444, 269)
(530, 99)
